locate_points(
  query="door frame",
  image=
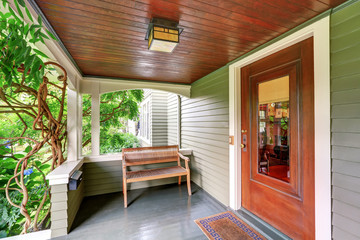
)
(320, 30)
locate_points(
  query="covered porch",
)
(163, 212)
(207, 82)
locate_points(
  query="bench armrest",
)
(183, 157)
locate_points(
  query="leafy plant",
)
(11, 219)
(26, 95)
(115, 107)
(111, 143)
(17, 39)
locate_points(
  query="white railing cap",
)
(61, 174)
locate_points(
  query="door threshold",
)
(260, 225)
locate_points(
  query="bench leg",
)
(125, 193)
(188, 183)
(179, 180)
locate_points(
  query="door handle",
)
(244, 142)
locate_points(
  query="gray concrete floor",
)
(164, 212)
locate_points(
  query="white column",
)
(79, 124)
(179, 121)
(95, 121)
(72, 124)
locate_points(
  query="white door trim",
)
(320, 30)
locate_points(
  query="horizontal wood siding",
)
(345, 115)
(147, 93)
(172, 119)
(59, 210)
(159, 118)
(102, 177)
(106, 177)
(75, 198)
(205, 129)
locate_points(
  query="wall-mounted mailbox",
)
(75, 180)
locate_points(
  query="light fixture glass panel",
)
(162, 46)
(166, 36)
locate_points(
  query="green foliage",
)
(19, 55)
(17, 39)
(112, 143)
(12, 126)
(115, 109)
(11, 219)
(121, 104)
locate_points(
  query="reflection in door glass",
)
(273, 128)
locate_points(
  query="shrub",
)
(115, 142)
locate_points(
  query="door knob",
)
(242, 145)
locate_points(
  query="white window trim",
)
(320, 30)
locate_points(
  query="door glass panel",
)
(273, 128)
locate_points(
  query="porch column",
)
(179, 121)
(74, 134)
(95, 120)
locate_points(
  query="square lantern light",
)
(162, 35)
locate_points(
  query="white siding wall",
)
(205, 129)
(159, 118)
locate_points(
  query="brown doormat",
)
(227, 226)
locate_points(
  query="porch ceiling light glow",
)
(162, 35)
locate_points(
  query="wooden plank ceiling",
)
(106, 37)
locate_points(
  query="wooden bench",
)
(152, 155)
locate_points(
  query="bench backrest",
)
(149, 155)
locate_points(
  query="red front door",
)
(277, 122)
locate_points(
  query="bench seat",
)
(153, 155)
(156, 173)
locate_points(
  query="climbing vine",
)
(29, 89)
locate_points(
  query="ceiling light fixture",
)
(163, 35)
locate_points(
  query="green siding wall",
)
(345, 115)
(106, 177)
(205, 130)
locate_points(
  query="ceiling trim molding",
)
(132, 79)
(106, 85)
